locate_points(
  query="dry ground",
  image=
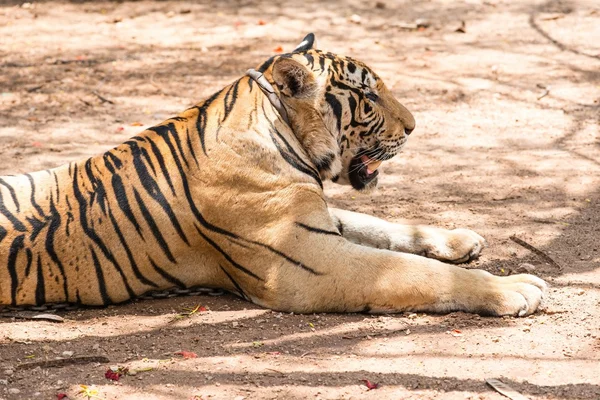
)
(490, 153)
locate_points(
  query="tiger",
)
(229, 194)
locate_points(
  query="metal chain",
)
(155, 294)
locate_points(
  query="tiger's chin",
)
(361, 173)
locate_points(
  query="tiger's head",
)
(341, 111)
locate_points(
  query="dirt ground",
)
(506, 95)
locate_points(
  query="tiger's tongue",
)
(371, 165)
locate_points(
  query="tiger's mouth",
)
(362, 171)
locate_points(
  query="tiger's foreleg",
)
(340, 276)
(454, 246)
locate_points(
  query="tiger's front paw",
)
(515, 295)
(454, 246)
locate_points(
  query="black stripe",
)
(317, 230)
(100, 276)
(3, 233)
(161, 163)
(336, 106)
(98, 191)
(15, 247)
(55, 221)
(57, 186)
(175, 134)
(166, 132)
(40, 287)
(121, 196)
(17, 225)
(279, 253)
(237, 286)
(201, 121)
(230, 99)
(153, 227)
(111, 158)
(227, 257)
(13, 194)
(296, 162)
(374, 127)
(70, 217)
(138, 274)
(32, 197)
(153, 189)
(29, 259)
(148, 159)
(266, 64)
(311, 60)
(166, 275)
(189, 144)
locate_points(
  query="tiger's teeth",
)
(372, 166)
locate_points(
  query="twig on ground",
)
(61, 362)
(546, 92)
(102, 98)
(274, 370)
(35, 88)
(536, 251)
(87, 103)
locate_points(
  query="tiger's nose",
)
(408, 131)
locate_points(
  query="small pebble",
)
(14, 391)
(3, 382)
(68, 353)
(355, 18)
(9, 371)
(526, 268)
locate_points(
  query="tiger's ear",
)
(309, 42)
(292, 78)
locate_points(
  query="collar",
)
(268, 90)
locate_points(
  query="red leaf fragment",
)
(370, 385)
(202, 308)
(114, 374)
(62, 396)
(261, 22)
(36, 144)
(278, 49)
(186, 354)
(120, 129)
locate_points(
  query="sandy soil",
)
(508, 143)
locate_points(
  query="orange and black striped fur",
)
(228, 194)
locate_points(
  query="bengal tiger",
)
(229, 194)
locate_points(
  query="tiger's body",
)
(229, 194)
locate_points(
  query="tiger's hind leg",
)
(454, 246)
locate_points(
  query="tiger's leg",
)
(339, 276)
(454, 246)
